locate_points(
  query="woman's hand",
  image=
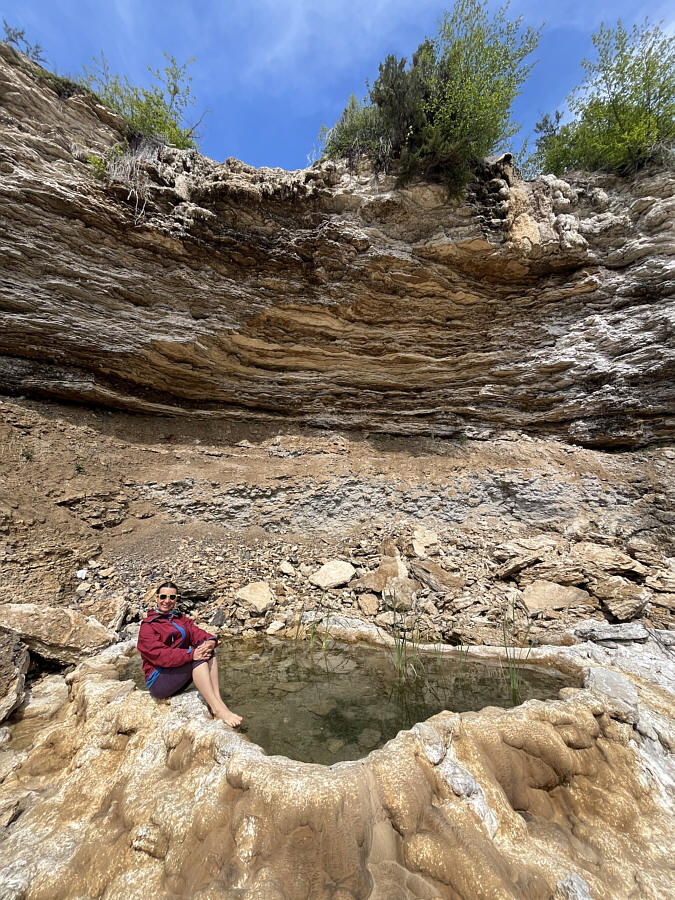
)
(204, 651)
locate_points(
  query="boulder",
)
(111, 612)
(622, 599)
(14, 662)
(55, 632)
(256, 597)
(550, 595)
(332, 574)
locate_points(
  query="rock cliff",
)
(182, 284)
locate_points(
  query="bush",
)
(624, 112)
(156, 112)
(17, 37)
(438, 116)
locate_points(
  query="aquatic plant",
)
(512, 647)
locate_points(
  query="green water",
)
(342, 702)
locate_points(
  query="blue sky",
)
(269, 73)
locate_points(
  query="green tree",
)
(157, 112)
(623, 113)
(439, 115)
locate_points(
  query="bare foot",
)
(226, 715)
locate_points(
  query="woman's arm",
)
(197, 635)
(154, 651)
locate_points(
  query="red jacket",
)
(167, 640)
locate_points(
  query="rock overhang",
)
(332, 297)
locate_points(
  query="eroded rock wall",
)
(326, 297)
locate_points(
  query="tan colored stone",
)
(14, 662)
(596, 557)
(55, 633)
(390, 567)
(622, 599)
(470, 770)
(549, 595)
(332, 574)
(368, 604)
(435, 577)
(256, 597)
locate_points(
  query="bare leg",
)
(205, 678)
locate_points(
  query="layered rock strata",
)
(322, 296)
(122, 797)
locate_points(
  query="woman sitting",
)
(174, 652)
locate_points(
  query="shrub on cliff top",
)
(156, 112)
(451, 106)
(17, 38)
(624, 112)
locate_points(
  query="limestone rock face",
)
(126, 798)
(323, 296)
(61, 634)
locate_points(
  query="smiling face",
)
(166, 598)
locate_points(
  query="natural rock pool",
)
(339, 702)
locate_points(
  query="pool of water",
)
(340, 702)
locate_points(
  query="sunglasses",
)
(168, 596)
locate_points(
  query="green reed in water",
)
(512, 645)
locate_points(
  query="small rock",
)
(333, 573)
(218, 618)
(424, 542)
(286, 568)
(368, 604)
